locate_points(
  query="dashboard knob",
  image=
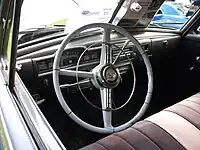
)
(46, 82)
(65, 61)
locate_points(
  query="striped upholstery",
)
(175, 128)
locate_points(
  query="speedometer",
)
(70, 57)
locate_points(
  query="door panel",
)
(189, 59)
(16, 134)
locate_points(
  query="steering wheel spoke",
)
(73, 73)
(106, 102)
(83, 83)
(106, 51)
(121, 51)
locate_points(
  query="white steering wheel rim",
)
(61, 98)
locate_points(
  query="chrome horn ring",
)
(99, 81)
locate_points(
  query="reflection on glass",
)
(173, 14)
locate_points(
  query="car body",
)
(31, 115)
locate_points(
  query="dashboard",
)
(44, 65)
(36, 61)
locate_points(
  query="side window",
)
(173, 14)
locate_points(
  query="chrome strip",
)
(80, 66)
(73, 67)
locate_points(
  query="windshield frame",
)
(191, 21)
(9, 32)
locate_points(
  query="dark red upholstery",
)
(175, 128)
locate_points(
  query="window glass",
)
(64, 12)
(175, 13)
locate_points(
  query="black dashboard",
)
(37, 65)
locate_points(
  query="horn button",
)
(107, 76)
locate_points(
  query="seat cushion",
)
(175, 128)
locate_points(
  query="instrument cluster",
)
(69, 58)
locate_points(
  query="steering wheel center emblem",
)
(110, 74)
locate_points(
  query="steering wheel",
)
(104, 77)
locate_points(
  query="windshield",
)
(71, 14)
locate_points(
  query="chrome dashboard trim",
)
(83, 65)
(73, 67)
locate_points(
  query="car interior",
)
(174, 59)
